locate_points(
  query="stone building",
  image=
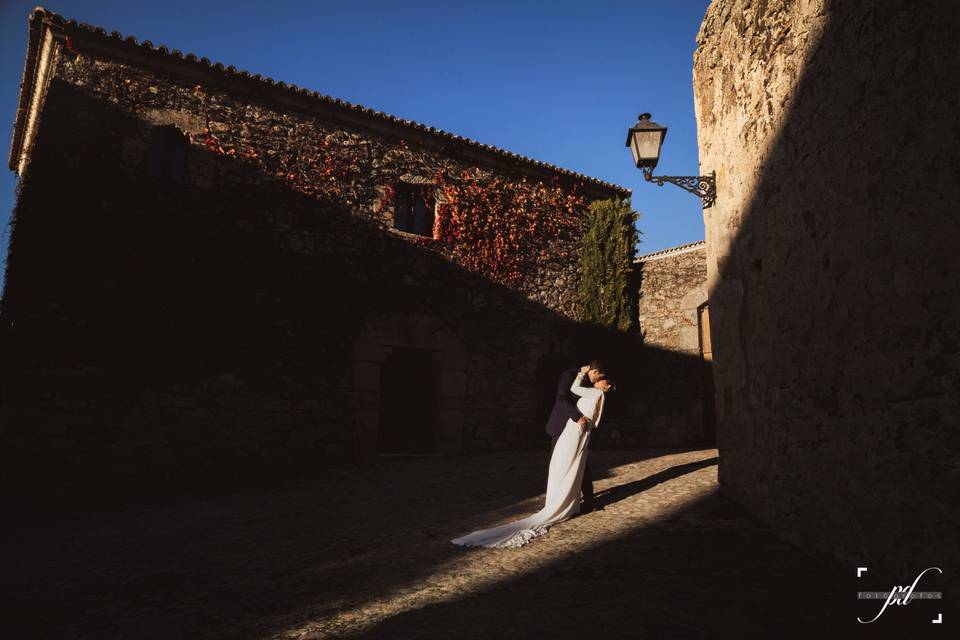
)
(215, 276)
(832, 274)
(671, 396)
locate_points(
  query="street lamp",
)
(645, 139)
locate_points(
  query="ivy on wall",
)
(606, 262)
(487, 222)
(499, 226)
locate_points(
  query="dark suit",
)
(565, 408)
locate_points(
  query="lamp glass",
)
(645, 145)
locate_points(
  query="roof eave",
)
(672, 251)
(113, 45)
(27, 85)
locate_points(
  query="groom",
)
(565, 408)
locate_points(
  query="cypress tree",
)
(606, 262)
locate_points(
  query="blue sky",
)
(557, 81)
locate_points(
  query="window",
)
(413, 209)
(168, 153)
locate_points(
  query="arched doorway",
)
(426, 356)
(408, 402)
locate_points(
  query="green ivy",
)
(606, 262)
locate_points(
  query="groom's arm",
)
(564, 398)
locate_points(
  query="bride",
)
(563, 479)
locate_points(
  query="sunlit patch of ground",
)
(473, 570)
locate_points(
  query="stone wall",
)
(163, 337)
(831, 264)
(353, 168)
(672, 285)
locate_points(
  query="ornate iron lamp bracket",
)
(703, 186)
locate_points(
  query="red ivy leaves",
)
(212, 143)
(387, 200)
(498, 226)
(489, 224)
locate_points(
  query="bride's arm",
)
(586, 392)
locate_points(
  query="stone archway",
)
(399, 333)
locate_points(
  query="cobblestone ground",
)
(364, 552)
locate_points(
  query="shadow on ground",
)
(365, 553)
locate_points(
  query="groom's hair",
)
(596, 364)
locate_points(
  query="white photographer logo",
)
(899, 595)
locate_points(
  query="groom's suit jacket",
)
(565, 406)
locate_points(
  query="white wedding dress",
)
(563, 481)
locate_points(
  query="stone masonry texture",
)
(671, 289)
(832, 269)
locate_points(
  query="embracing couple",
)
(576, 413)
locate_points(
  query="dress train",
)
(563, 483)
